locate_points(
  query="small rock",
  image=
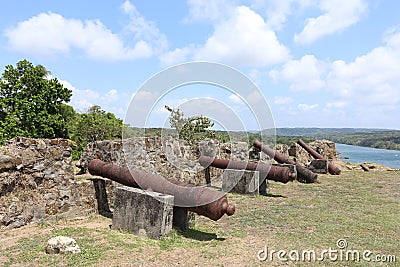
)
(62, 244)
(8, 162)
(41, 144)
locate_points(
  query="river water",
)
(358, 154)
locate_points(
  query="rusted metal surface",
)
(364, 167)
(275, 173)
(203, 201)
(303, 175)
(331, 168)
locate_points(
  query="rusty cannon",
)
(274, 173)
(331, 168)
(203, 201)
(303, 174)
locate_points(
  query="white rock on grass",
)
(62, 244)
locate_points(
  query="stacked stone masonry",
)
(167, 157)
(37, 180)
(37, 177)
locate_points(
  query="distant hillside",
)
(310, 132)
(376, 138)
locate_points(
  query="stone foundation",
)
(318, 166)
(143, 212)
(241, 182)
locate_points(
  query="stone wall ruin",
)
(37, 180)
(37, 177)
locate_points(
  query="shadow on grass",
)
(107, 214)
(200, 235)
(273, 195)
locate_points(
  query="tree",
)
(96, 124)
(31, 103)
(191, 129)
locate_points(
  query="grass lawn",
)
(360, 209)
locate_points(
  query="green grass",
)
(363, 208)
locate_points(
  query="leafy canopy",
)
(31, 103)
(97, 124)
(94, 125)
(191, 129)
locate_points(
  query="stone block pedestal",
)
(241, 182)
(318, 166)
(142, 212)
(103, 208)
(182, 219)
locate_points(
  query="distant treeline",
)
(222, 136)
(385, 140)
(376, 138)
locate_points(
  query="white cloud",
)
(240, 38)
(51, 34)
(337, 104)
(111, 96)
(83, 99)
(372, 79)
(243, 40)
(307, 107)
(338, 15)
(179, 55)
(277, 12)
(235, 99)
(127, 7)
(208, 11)
(144, 30)
(306, 74)
(143, 96)
(282, 100)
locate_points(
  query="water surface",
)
(358, 154)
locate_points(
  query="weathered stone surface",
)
(38, 181)
(324, 147)
(165, 156)
(318, 166)
(208, 148)
(62, 245)
(263, 189)
(142, 212)
(101, 196)
(182, 219)
(241, 182)
(8, 162)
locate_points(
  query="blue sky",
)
(319, 63)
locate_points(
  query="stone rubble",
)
(62, 245)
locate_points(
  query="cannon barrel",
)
(275, 173)
(331, 168)
(203, 201)
(364, 167)
(303, 174)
